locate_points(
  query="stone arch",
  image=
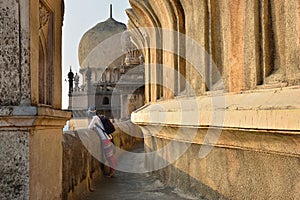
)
(46, 55)
(107, 75)
(42, 67)
(116, 74)
(105, 101)
(133, 25)
(103, 77)
(149, 30)
(180, 30)
(173, 21)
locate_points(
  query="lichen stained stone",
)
(14, 165)
(9, 53)
(25, 75)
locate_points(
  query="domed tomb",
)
(101, 45)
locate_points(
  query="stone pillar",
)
(90, 88)
(147, 77)
(31, 120)
(124, 106)
(237, 43)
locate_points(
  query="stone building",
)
(222, 93)
(222, 123)
(31, 119)
(111, 71)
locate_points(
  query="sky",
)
(79, 17)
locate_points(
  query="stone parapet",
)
(82, 154)
(80, 168)
(127, 135)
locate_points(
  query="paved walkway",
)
(133, 186)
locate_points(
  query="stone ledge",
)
(258, 141)
(29, 116)
(276, 109)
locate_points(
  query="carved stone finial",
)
(110, 13)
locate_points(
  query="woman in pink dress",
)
(107, 145)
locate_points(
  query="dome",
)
(97, 35)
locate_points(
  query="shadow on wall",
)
(178, 174)
(127, 135)
(228, 172)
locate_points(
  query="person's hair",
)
(91, 111)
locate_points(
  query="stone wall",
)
(127, 135)
(45, 163)
(238, 82)
(14, 52)
(31, 164)
(31, 121)
(248, 44)
(237, 150)
(80, 168)
(14, 165)
(246, 168)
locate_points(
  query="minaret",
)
(71, 79)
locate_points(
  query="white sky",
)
(79, 17)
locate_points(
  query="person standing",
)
(107, 145)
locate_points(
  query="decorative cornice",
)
(30, 116)
(275, 109)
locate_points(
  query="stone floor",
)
(134, 186)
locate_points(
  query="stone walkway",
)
(134, 186)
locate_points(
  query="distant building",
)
(111, 72)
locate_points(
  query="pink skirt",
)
(108, 149)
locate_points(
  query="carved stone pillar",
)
(31, 120)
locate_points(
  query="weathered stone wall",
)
(31, 152)
(235, 172)
(80, 168)
(14, 58)
(127, 135)
(252, 44)
(14, 164)
(31, 158)
(241, 77)
(249, 151)
(45, 153)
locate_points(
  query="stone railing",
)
(81, 155)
